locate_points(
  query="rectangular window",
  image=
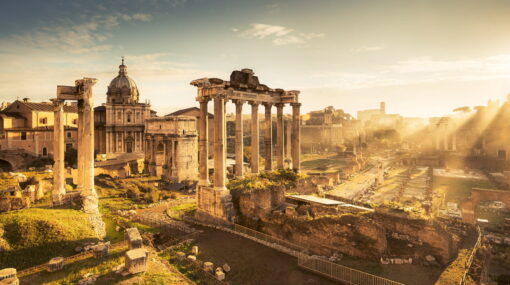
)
(68, 134)
(23, 136)
(43, 120)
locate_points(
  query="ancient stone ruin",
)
(171, 147)
(82, 93)
(214, 201)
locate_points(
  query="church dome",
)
(122, 89)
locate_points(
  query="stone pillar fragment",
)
(203, 144)
(239, 144)
(268, 138)
(58, 153)
(279, 137)
(296, 136)
(254, 137)
(219, 142)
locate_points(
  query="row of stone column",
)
(219, 154)
(170, 153)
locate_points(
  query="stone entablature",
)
(243, 87)
(171, 147)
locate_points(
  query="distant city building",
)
(327, 129)
(120, 121)
(28, 126)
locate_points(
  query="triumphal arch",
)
(214, 200)
(82, 94)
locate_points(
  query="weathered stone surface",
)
(208, 266)
(226, 267)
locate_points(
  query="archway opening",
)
(5, 166)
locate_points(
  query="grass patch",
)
(457, 189)
(36, 235)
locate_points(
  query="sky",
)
(423, 58)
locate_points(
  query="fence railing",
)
(342, 273)
(268, 238)
(67, 260)
(469, 261)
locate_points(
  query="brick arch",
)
(5, 165)
(478, 195)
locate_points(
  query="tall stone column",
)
(279, 136)
(85, 107)
(288, 140)
(454, 141)
(79, 147)
(254, 137)
(296, 136)
(203, 144)
(268, 138)
(219, 142)
(58, 152)
(239, 144)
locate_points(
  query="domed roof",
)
(122, 89)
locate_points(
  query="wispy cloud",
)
(279, 35)
(421, 70)
(83, 38)
(368, 48)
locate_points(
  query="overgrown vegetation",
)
(286, 178)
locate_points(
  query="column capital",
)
(254, 103)
(279, 105)
(238, 101)
(219, 96)
(203, 99)
(57, 102)
(267, 104)
(295, 104)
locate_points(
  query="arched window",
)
(129, 117)
(44, 151)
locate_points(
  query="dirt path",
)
(251, 262)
